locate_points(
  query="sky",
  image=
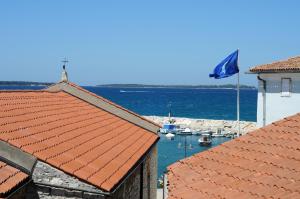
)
(149, 42)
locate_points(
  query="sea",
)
(190, 103)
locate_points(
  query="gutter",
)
(272, 71)
(264, 98)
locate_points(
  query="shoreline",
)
(206, 124)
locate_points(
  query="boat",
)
(186, 131)
(170, 136)
(205, 139)
(196, 133)
(220, 133)
(208, 131)
(215, 135)
(169, 128)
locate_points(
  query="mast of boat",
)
(170, 113)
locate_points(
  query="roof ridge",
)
(110, 102)
(105, 104)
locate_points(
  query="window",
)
(286, 87)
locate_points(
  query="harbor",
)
(170, 151)
(200, 125)
(182, 137)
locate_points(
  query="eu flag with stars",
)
(228, 67)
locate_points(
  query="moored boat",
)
(186, 131)
(170, 136)
(169, 128)
(205, 139)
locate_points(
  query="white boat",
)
(186, 131)
(208, 131)
(217, 135)
(205, 139)
(196, 133)
(170, 136)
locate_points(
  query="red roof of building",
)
(289, 65)
(262, 164)
(10, 178)
(73, 135)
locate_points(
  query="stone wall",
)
(131, 188)
(150, 175)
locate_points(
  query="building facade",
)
(278, 90)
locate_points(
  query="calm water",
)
(193, 103)
(172, 150)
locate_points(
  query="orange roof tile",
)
(289, 65)
(10, 178)
(72, 135)
(262, 164)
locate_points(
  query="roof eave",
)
(273, 71)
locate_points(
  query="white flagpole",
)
(238, 100)
(238, 104)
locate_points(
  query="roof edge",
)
(272, 71)
(105, 105)
(17, 158)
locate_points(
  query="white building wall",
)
(278, 106)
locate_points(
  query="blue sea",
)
(191, 103)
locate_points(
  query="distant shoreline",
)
(24, 83)
(124, 86)
(224, 86)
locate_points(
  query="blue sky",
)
(151, 42)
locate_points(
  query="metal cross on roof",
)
(65, 61)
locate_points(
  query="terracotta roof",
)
(73, 135)
(289, 65)
(262, 164)
(10, 178)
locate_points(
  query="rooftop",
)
(77, 132)
(10, 179)
(261, 164)
(289, 65)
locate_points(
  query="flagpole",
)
(238, 101)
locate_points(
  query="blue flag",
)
(228, 67)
